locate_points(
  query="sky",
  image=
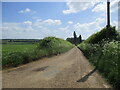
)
(36, 20)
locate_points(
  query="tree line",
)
(75, 40)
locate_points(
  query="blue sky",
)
(41, 19)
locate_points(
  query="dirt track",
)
(63, 71)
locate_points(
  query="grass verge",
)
(104, 54)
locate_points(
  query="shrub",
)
(54, 45)
(99, 36)
(14, 58)
(106, 58)
(103, 52)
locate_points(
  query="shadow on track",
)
(83, 79)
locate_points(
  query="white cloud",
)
(102, 7)
(27, 10)
(114, 5)
(17, 30)
(50, 22)
(87, 26)
(115, 23)
(28, 29)
(65, 29)
(70, 22)
(87, 29)
(37, 29)
(27, 23)
(18, 27)
(74, 7)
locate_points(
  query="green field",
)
(16, 48)
(14, 55)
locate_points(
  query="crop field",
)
(16, 48)
(15, 54)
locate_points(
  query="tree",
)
(80, 39)
(75, 37)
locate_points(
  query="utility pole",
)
(108, 13)
(108, 17)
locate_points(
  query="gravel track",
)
(68, 70)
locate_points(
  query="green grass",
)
(16, 48)
(14, 55)
(97, 37)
